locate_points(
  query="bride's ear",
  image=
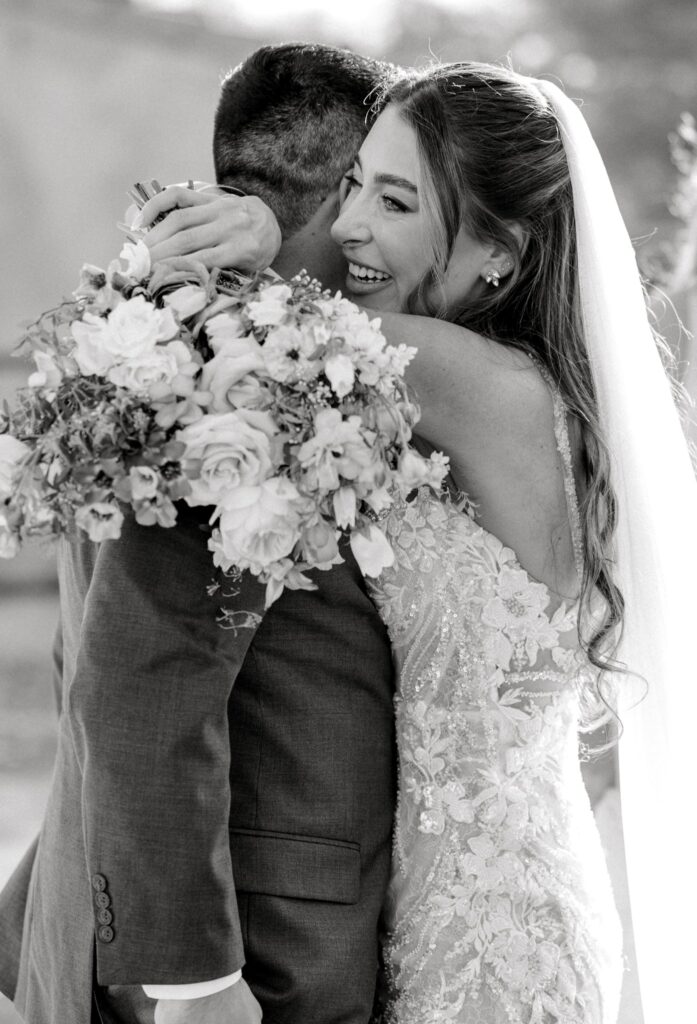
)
(501, 259)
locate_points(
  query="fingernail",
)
(137, 221)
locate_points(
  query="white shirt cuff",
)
(194, 991)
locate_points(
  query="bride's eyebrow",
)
(391, 179)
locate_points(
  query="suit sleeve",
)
(148, 711)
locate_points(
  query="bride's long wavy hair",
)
(491, 157)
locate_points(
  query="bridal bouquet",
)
(278, 405)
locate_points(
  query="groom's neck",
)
(311, 248)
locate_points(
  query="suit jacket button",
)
(105, 916)
(103, 900)
(98, 883)
(105, 933)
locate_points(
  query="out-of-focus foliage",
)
(633, 62)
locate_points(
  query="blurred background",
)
(97, 94)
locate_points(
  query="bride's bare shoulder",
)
(470, 384)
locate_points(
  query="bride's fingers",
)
(175, 197)
(185, 242)
(181, 223)
(234, 255)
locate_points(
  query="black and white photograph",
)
(348, 511)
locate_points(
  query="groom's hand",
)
(217, 229)
(234, 1005)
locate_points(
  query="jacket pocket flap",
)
(298, 867)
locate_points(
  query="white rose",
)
(101, 520)
(258, 525)
(187, 301)
(91, 353)
(225, 451)
(153, 368)
(371, 549)
(136, 326)
(271, 308)
(136, 256)
(12, 453)
(340, 373)
(234, 360)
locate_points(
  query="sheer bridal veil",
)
(656, 570)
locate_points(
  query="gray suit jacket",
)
(219, 799)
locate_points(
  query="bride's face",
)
(384, 229)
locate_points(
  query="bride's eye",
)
(349, 182)
(394, 205)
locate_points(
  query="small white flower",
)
(12, 453)
(144, 482)
(101, 520)
(158, 510)
(413, 470)
(271, 308)
(336, 450)
(9, 541)
(223, 328)
(319, 544)
(48, 374)
(344, 503)
(187, 301)
(399, 357)
(136, 256)
(371, 549)
(285, 352)
(340, 374)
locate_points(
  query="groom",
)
(222, 800)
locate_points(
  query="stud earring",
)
(493, 277)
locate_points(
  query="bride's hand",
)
(234, 1005)
(217, 229)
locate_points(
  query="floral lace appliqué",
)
(500, 907)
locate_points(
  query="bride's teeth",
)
(366, 274)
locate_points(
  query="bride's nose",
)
(352, 226)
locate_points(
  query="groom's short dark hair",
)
(289, 122)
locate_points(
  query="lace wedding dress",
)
(500, 909)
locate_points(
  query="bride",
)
(544, 592)
(460, 206)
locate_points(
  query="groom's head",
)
(289, 122)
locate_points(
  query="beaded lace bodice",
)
(500, 909)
